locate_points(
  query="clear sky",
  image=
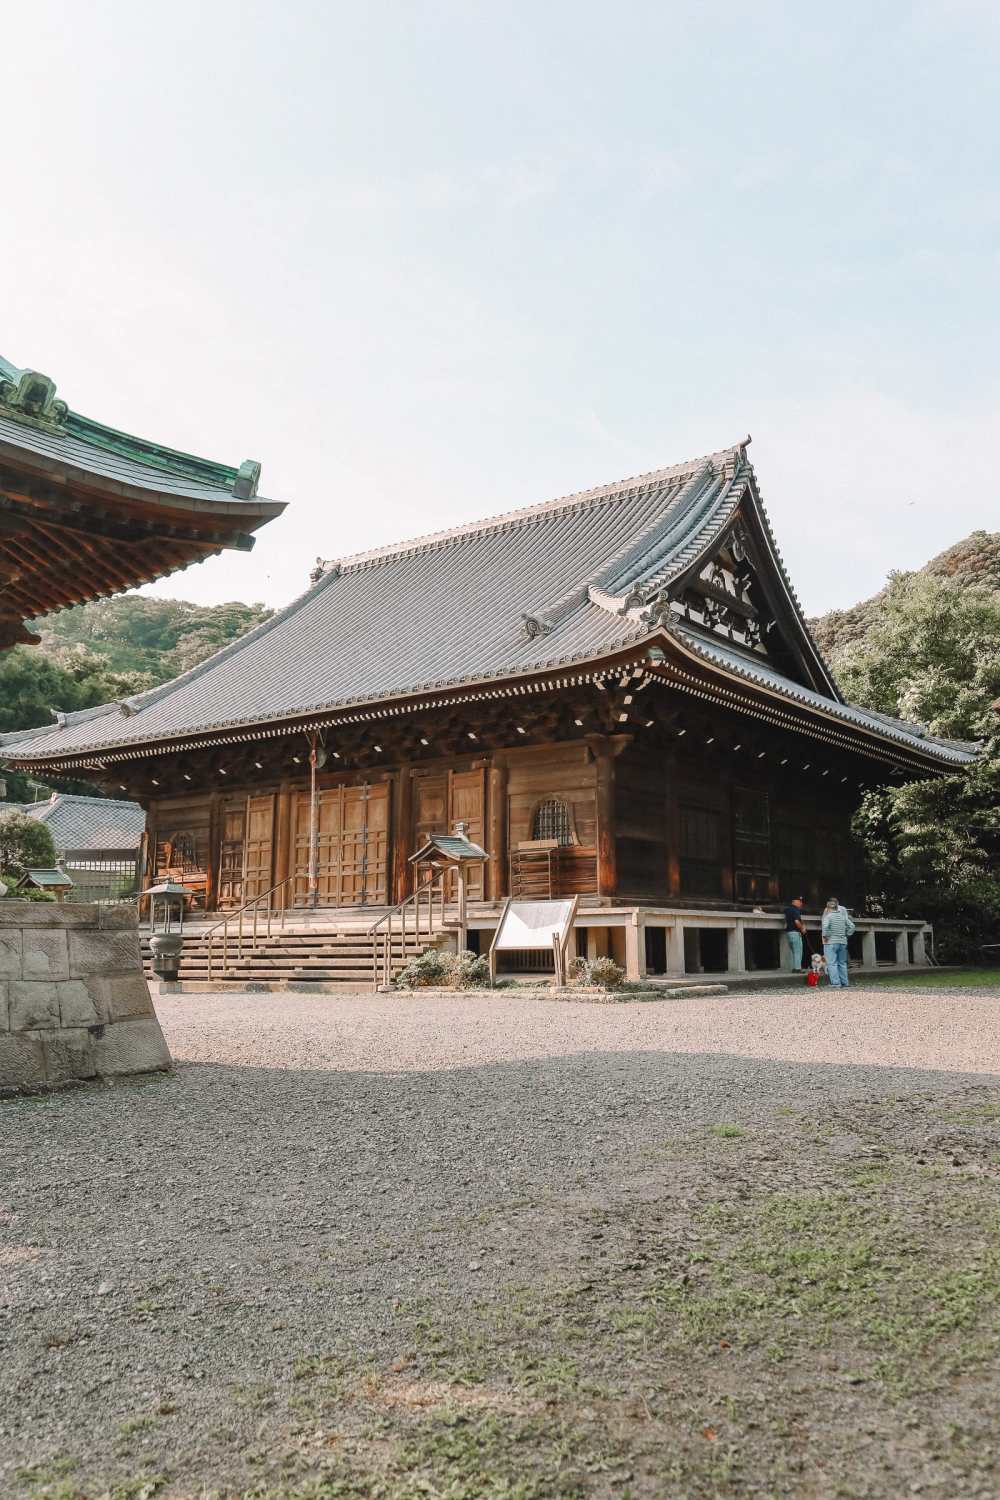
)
(428, 260)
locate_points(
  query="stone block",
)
(22, 1062)
(116, 997)
(4, 1005)
(51, 914)
(10, 953)
(99, 952)
(34, 1004)
(135, 1046)
(45, 954)
(69, 1054)
(76, 1004)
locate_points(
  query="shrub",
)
(428, 970)
(602, 972)
(471, 971)
(433, 969)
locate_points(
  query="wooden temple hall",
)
(615, 692)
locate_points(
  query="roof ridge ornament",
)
(247, 479)
(535, 625)
(32, 398)
(325, 567)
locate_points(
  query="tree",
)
(24, 845)
(932, 654)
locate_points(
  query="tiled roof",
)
(86, 822)
(45, 878)
(529, 591)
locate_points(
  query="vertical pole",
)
(312, 895)
(497, 870)
(462, 936)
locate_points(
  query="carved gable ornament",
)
(32, 398)
(722, 597)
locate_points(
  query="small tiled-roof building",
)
(616, 692)
(97, 840)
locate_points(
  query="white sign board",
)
(533, 924)
(541, 926)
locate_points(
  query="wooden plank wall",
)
(672, 811)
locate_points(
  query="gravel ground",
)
(182, 1256)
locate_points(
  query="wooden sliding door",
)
(353, 845)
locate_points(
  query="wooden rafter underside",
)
(59, 548)
(612, 699)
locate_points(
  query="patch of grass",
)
(49, 1480)
(136, 1424)
(728, 1132)
(938, 979)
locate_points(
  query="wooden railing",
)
(415, 914)
(250, 932)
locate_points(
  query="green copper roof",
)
(28, 398)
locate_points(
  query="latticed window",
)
(552, 821)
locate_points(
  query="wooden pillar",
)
(283, 845)
(672, 814)
(214, 853)
(675, 949)
(462, 935)
(402, 870)
(635, 947)
(498, 869)
(312, 896)
(607, 854)
(605, 749)
(736, 962)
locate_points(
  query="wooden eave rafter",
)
(44, 529)
(682, 671)
(689, 674)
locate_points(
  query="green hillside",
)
(158, 638)
(974, 562)
(107, 650)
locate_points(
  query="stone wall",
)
(74, 1002)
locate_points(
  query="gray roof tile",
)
(441, 611)
(86, 822)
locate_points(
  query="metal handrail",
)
(427, 889)
(237, 916)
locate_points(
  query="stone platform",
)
(74, 1003)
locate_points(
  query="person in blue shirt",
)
(795, 929)
(837, 928)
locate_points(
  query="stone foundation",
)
(74, 1002)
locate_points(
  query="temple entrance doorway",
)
(353, 845)
(246, 851)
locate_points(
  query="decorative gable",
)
(724, 597)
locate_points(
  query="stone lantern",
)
(166, 923)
